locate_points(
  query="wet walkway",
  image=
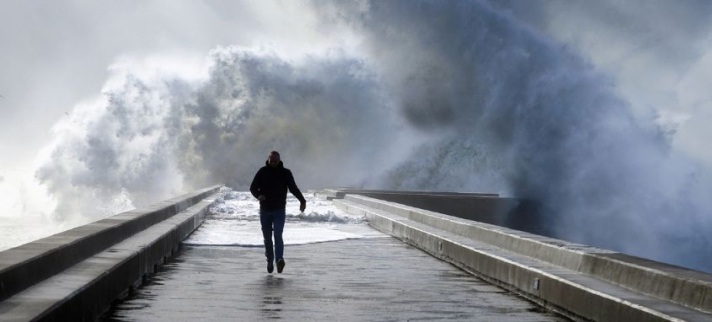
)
(374, 279)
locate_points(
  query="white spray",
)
(501, 108)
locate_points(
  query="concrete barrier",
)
(582, 282)
(483, 207)
(75, 275)
(330, 194)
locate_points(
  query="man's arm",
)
(256, 184)
(292, 186)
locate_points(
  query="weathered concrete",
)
(28, 264)
(554, 251)
(513, 213)
(339, 193)
(376, 279)
(581, 281)
(684, 286)
(79, 272)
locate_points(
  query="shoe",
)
(270, 268)
(280, 265)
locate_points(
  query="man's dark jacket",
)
(273, 184)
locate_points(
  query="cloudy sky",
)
(596, 108)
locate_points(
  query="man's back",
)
(270, 187)
(273, 183)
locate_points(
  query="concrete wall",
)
(340, 192)
(583, 282)
(513, 213)
(74, 275)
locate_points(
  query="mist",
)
(504, 97)
(153, 136)
(515, 112)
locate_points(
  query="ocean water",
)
(234, 221)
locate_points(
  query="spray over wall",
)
(520, 114)
(151, 137)
(442, 96)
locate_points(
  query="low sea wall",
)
(520, 214)
(76, 274)
(582, 282)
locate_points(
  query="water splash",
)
(516, 111)
(234, 221)
(489, 104)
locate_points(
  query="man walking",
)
(270, 188)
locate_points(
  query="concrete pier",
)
(375, 279)
(582, 282)
(439, 266)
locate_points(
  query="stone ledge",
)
(85, 290)
(28, 264)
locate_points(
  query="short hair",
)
(274, 153)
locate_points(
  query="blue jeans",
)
(273, 220)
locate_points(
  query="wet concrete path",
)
(374, 279)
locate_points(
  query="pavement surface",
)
(374, 279)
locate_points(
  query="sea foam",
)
(234, 221)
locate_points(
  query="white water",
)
(234, 221)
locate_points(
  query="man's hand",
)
(302, 206)
(262, 198)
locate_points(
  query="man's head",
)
(273, 159)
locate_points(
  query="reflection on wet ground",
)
(378, 279)
(272, 299)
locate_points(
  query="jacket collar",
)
(280, 166)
